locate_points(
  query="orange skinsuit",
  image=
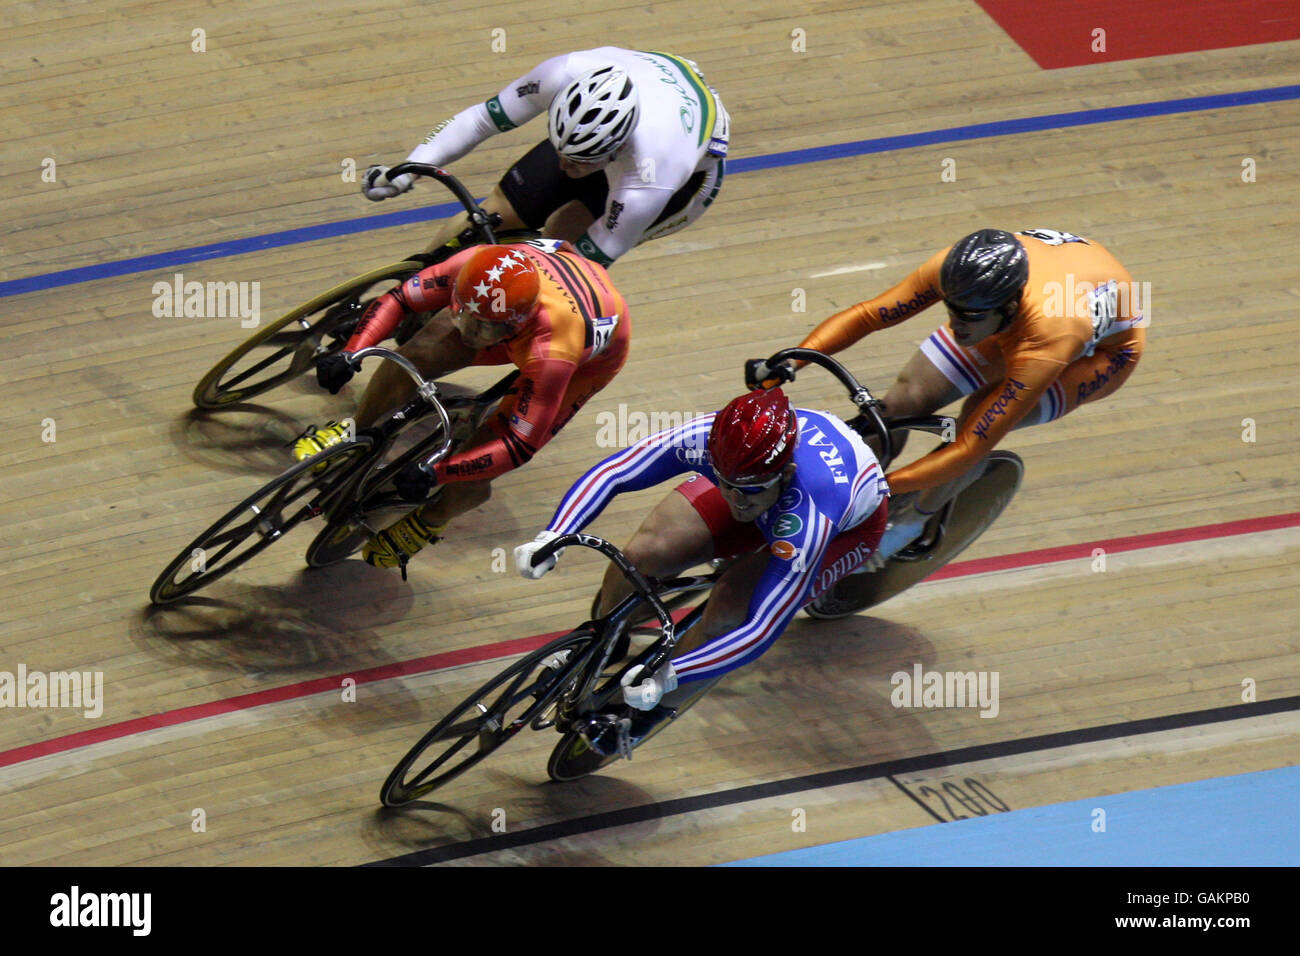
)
(1054, 338)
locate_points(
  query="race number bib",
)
(1103, 307)
(602, 333)
(1052, 237)
(546, 245)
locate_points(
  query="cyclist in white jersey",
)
(647, 121)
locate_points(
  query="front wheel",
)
(505, 705)
(294, 342)
(258, 521)
(573, 757)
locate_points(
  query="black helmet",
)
(984, 271)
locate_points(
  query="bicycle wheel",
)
(487, 718)
(258, 521)
(292, 343)
(573, 757)
(377, 502)
(974, 509)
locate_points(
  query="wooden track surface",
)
(158, 148)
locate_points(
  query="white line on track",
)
(864, 267)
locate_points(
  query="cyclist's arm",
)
(628, 214)
(779, 594)
(516, 104)
(647, 463)
(427, 291)
(1000, 411)
(522, 427)
(917, 292)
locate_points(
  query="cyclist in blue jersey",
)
(793, 498)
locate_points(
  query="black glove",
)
(412, 483)
(333, 372)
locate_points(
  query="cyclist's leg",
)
(436, 350)
(530, 193)
(462, 496)
(939, 373)
(690, 526)
(689, 202)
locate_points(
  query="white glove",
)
(375, 184)
(647, 694)
(524, 556)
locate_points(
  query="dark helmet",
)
(984, 271)
(753, 437)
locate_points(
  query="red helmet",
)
(497, 284)
(753, 437)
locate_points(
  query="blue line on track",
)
(817, 154)
(1243, 820)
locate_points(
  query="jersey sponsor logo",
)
(790, 500)
(525, 396)
(615, 210)
(1101, 377)
(902, 310)
(471, 467)
(690, 456)
(842, 566)
(787, 525)
(546, 245)
(784, 550)
(527, 89)
(999, 407)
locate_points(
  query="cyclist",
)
(1040, 322)
(538, 305)
(646, 122)
(794, 498)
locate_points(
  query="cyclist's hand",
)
(646, 694)
(413, 483)
(768, 377)
(524, 556)
(333, 372)
(375, 184)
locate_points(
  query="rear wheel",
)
(517, 697)
(258, 521)
(973, 511)
(293, 343)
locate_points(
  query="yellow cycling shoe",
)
(397, 544)
(315, 440)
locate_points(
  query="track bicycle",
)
(570, 683)
(321, 327)
(357, 484)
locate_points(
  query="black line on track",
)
(834, 778)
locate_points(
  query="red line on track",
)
(485, 652)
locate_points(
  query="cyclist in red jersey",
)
(538, 305)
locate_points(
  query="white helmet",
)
(594, 115)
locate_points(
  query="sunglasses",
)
(757, 489)
(962, 315)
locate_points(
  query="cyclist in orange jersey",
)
(538, 305)
(1040, 322)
